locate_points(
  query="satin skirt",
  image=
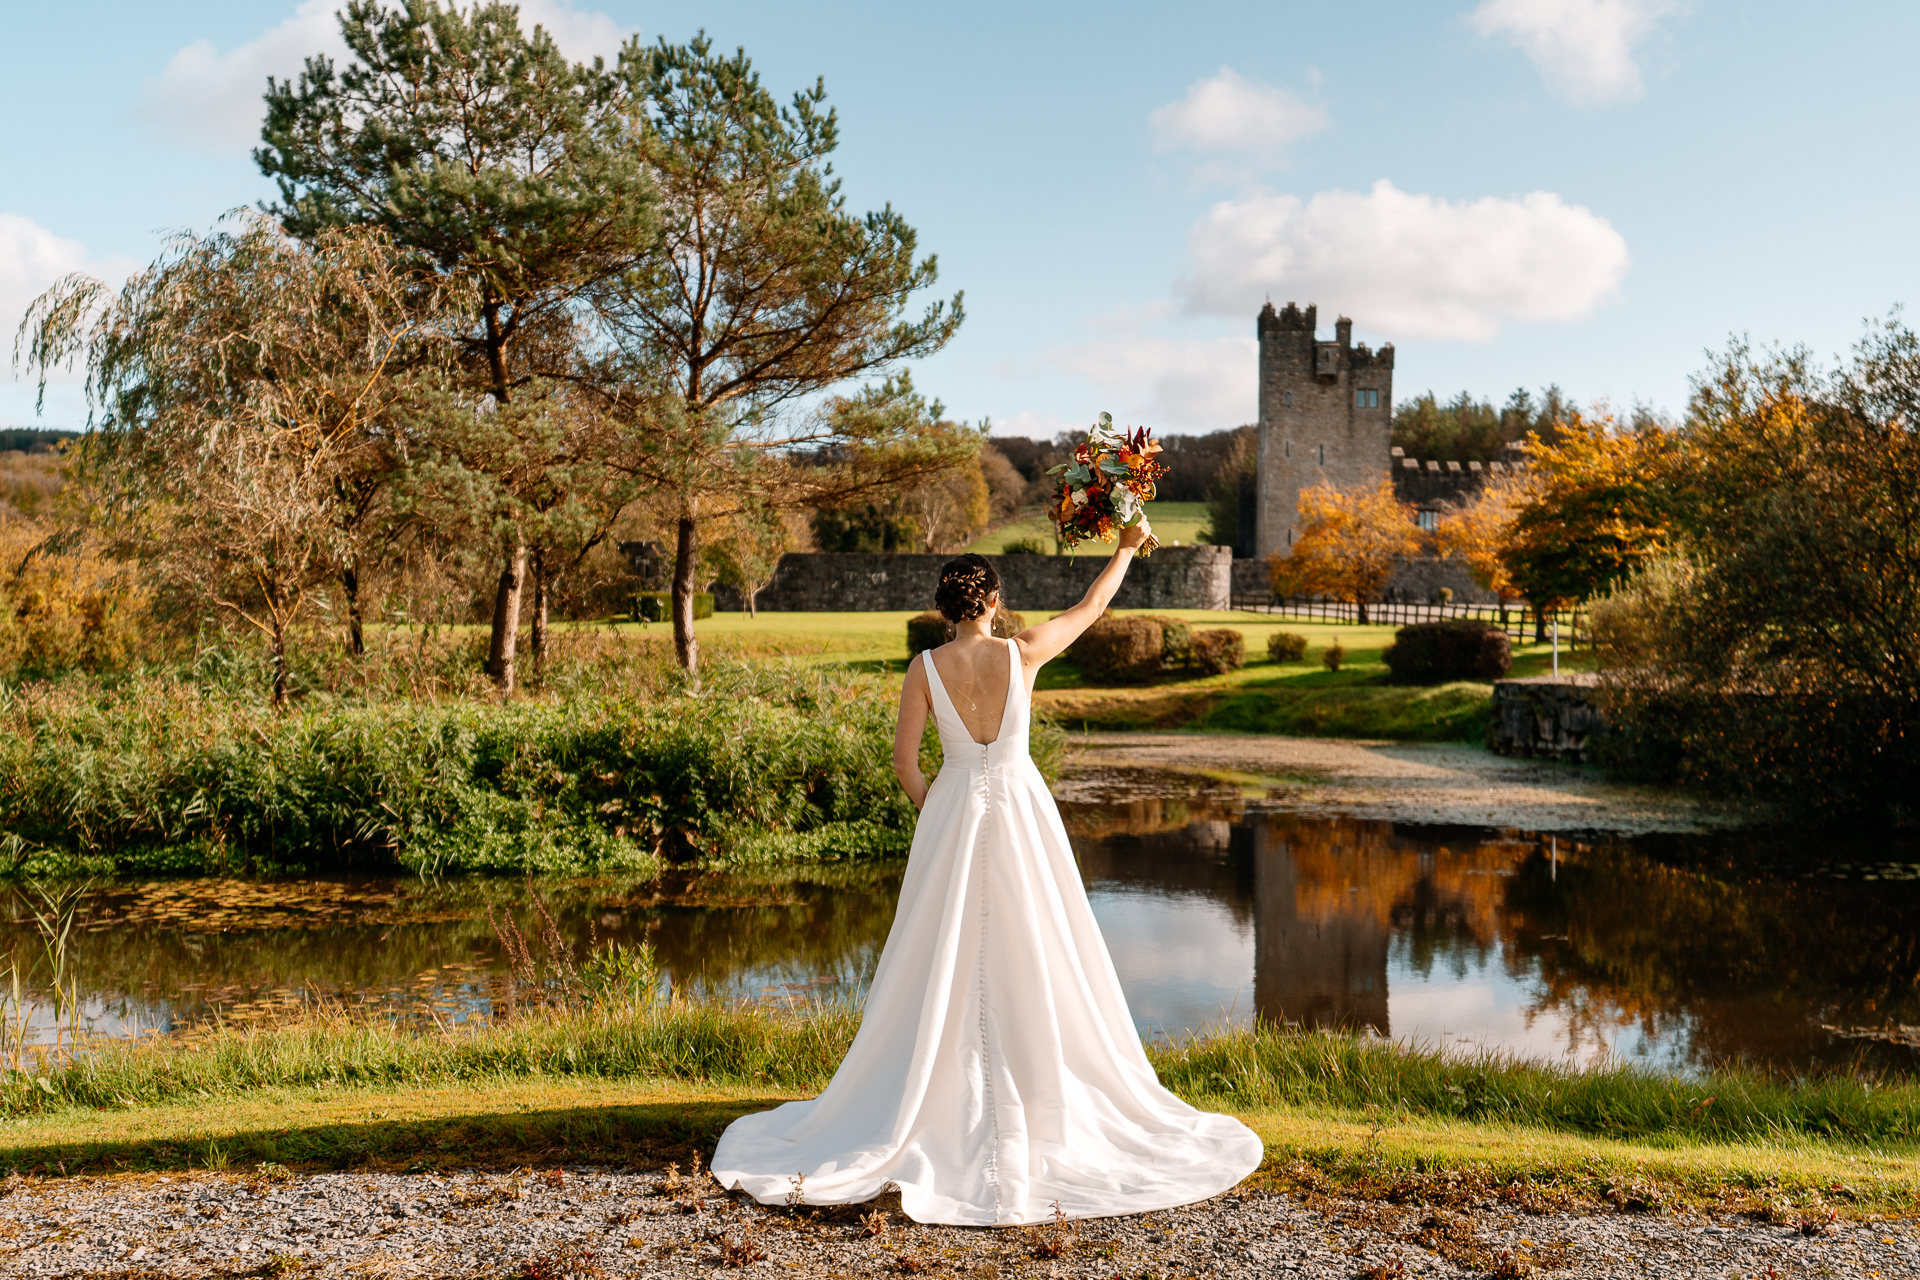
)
(997, 1073)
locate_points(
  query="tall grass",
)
(799, 1051)
(1267, 1068)
(163, 775)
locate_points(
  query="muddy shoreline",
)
(1433, 783)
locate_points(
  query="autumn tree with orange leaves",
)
(1350, 542)
(1478, 534)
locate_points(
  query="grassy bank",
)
(770, 765)
(652, 1084)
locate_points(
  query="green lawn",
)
(641, 1086)
(1172, 522)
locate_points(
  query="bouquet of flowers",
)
(1108, 484)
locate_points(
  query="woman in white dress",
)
(997, 1072)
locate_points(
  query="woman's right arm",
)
(916, 701)
(1041, 644)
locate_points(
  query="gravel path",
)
(582, 1223)
(1396, 781)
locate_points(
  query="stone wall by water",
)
(1547, 717)
(1171, 578)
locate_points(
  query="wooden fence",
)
(1520, 622)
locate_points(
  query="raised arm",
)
(1041, 644)
(916, 703)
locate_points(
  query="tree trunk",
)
(1361, 605)
(1539, 626)
(356, 631)
(542, 594)
(685, 560)
(279, 660)
(751, 593)
(506, 618)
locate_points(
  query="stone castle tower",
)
(1326, 412)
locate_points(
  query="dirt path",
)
(1395, 781)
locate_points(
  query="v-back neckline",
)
(1000, 729)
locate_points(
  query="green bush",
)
(1118, 649)
(1219, 650)
(657, 606)
(1286, 646)
(1333, 655)
(1176, 642)
(1026, 547)
(156, 776)
(1456, 649)
(927, 630)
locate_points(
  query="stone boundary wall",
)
(1194, 577)
(1545, 717)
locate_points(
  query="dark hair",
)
(965, 583)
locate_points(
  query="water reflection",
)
(1680, 953)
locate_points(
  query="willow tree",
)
(765, 292)
(239, 385)
(478, 145)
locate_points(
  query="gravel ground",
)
(579, 1223)
(1396, 781)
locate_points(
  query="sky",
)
(1592, 193)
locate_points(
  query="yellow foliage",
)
(67, 606)
(1351, 538)
(1479, 533)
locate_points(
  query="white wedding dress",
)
(997, 1070)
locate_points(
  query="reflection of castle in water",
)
(1327, 898)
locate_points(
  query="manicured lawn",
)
(1301, 697)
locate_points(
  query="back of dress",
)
(997, 1072)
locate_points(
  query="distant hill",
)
(32, 439)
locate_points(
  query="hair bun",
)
(966, 584)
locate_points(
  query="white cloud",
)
(1228, 113)
(1586, 48)
(1405, 264)
(32, 259)
(1170, 384)
(206, 98)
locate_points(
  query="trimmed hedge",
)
(1456, 649)
(657, 606)
(1219, 650)
(1120, 649)
(1286, 646)
(1176, 641)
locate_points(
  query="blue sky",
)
(1513, 192)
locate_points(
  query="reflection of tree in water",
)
(172, 954)
(1748, 970)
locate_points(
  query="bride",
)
(997, 1072)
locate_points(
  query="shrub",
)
(1219, 650)
(927, 630)
(154, 776)
(657, 606)
(1119, 649)
(1456, 649)
(1025, 547)
(931, 629)
(1334, 655)
(1286, 646)
(1176, 642)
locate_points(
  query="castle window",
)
(1428, 520)
(1323, 455)
(1366, 399)
(1289, 399)
(1289, 448)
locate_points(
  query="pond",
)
(1675, 952)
